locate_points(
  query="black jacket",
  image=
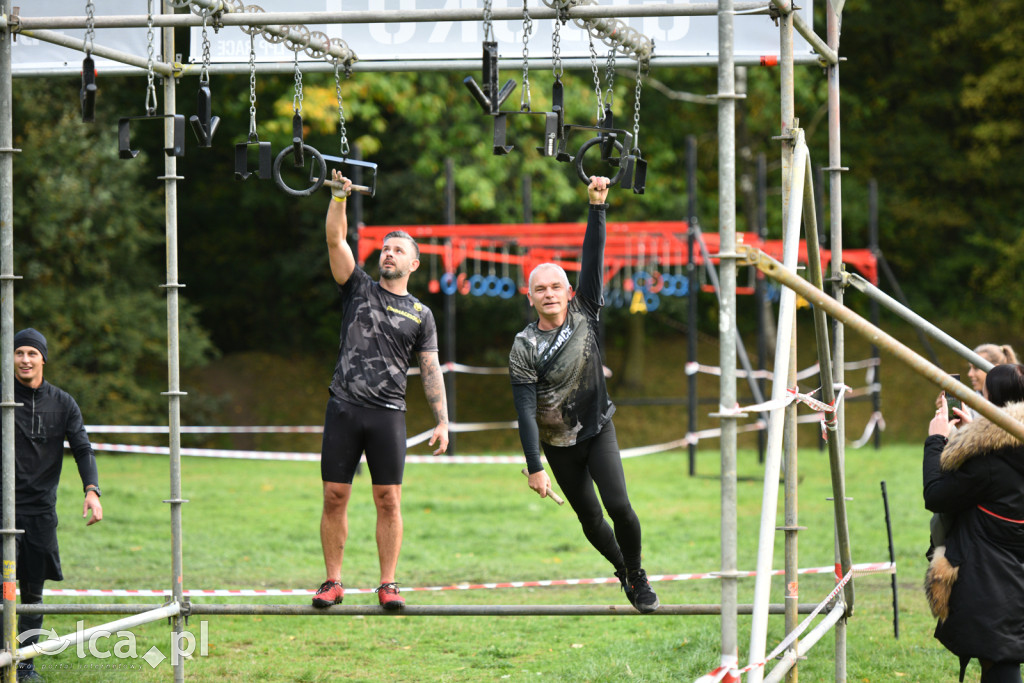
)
(46, 417)
(979, 476)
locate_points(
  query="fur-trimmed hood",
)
(978, 438)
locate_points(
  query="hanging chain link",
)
(556, 51)
(597, 78)
(524, 102)
(636, 105)
(488, 21)
(90, 30)
(297, 99)
(253, 137)
(341, 110)
(204, 72)
(151, 103)
(609, 77)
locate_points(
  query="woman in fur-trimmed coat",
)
(975, 583)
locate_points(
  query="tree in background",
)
(89, 243)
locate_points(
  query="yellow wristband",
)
(338, 199)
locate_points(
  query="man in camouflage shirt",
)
(382, 326)
(560, 396)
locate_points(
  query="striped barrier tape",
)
(726, 673)
(857, 570)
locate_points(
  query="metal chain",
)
(636, 106)
(297, 99)
(253, 137)
(341, 110)
(204, 71)
(609, 76)
(151, 103)
(524, 102)
(488, 20)
(556, 51)
(597, 78)
(90, 30)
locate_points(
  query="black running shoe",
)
(639, 592)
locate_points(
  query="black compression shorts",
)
(349, 430)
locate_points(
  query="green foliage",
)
(89, 244)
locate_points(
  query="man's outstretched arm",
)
(343, 262)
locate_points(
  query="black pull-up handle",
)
(264, 161)
(490, 96)
(204, 123)
(88, 92)
(124, 148)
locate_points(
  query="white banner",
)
(30, 53)
(672, 36)
(444, 40)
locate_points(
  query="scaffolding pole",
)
(7, 278)
(727, 324)
(409, 610)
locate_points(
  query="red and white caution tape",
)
(724, 673)
(858, 570)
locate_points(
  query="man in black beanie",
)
(44, 418)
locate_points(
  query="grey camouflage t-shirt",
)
(565, 364)
(380, 333)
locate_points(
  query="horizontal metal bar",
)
(408, 65)
(58, 38)
(874, 293)
(26, 21)
(409, 610)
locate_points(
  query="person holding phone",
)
(974, 478)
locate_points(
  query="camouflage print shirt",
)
(565, 363)
(380, 333)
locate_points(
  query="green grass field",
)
(255, 525)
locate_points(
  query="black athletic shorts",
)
(37, 553)
(351, 430)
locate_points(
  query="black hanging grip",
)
(264, 161)
(124, 149)
(89, 89)
(204, 123)
(490, 97)
(369, 190)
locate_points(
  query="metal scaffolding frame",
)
(794, 164)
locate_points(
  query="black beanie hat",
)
(33, 338)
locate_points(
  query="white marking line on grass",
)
(858, 570)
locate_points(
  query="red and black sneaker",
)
(387, 594)
(329, 593)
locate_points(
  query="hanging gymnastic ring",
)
(655, 282)
(477, 286)
(317, 184)
(583, 150)
(668, 287)
(492, 285)
(641, 281)
(652, 301)
(683, 288)
(448, 283)
(507, 288)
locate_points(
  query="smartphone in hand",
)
(953, 402)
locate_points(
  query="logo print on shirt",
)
(560, 340)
